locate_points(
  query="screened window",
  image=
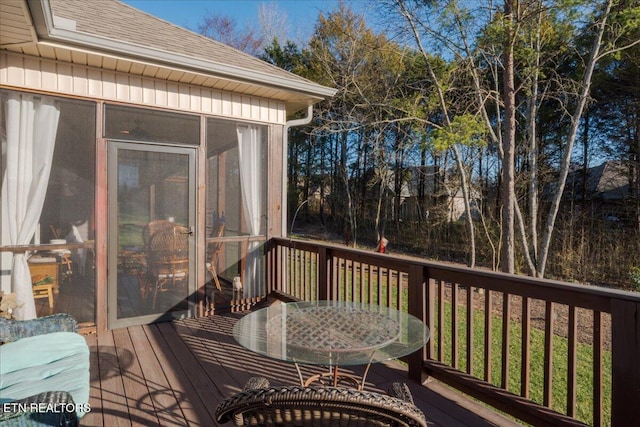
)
(236, 203)
(138, 124)
(236, 177)
(48, 170)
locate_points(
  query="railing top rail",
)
(588, 296)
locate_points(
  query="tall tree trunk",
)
(507, 256)
(422, 193)
(575, 123)
(349, 207)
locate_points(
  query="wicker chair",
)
(168, 259)
(154, 226)
(288, 406)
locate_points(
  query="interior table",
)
(332, 334)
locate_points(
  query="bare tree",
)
(273, 22)
(225, 30)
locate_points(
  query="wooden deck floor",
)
(174, 374)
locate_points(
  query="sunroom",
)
(142, 164)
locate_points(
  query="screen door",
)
(151, 243)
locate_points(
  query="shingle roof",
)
(608, 181)
(115, 21)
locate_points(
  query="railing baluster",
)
(571, 363)
(399, 276)
(362, 288)
(525, 358)
(338, 273)
(506, 339)
(311, 286)
(440, 321)
(307, 274)
(470, 330)
(369, 283)
(387, 275)
(454, 325)
(431, 298)
(488, 342)
(310, 293)
(345, 279)
(305, 266)
(353, 280)
(379, 279)
(324, 272)
(296, 272)
(547, 397)
(289, 269)
(316, 277)
(597, 368)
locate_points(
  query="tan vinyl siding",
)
(72, 79)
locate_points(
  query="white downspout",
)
(285, 149)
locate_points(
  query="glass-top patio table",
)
(332, 334)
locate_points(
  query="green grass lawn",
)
(584, 374)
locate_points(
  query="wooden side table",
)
(40, 268)
(44, 290)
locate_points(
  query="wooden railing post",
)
(416, 307)
(323, 279)
(269, 249)
(625, 348)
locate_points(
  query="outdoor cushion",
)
(54, 361)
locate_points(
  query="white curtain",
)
(251, 181)
(31, 126)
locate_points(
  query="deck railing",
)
(543, 351)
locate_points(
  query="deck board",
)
(113, 400)
(174, 374)
(139, 386)
(193, 408)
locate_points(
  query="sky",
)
(301, 14)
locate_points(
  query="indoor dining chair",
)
(168, 259)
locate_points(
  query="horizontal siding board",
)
(77, 80)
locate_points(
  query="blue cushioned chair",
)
(44, 373)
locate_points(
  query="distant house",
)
(444, 195)
(604, 191)
(113, 119)
(422, 190)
